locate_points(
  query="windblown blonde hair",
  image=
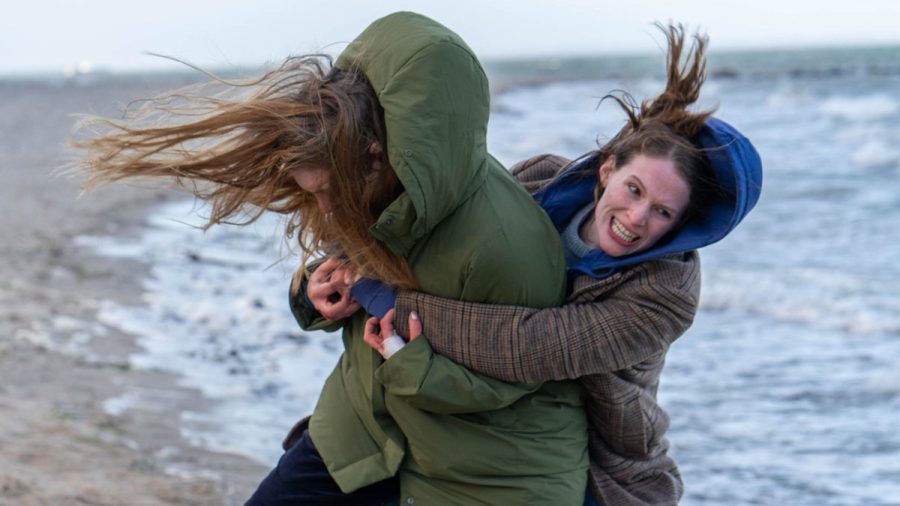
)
(237, 153)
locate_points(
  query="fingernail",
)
(414, 315)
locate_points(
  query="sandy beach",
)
(61, 441)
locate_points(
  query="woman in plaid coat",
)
(630, 232)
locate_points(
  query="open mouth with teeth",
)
(622, 234)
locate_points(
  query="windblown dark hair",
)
(237, 153)
(663, 126)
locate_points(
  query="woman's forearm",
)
(637, 320)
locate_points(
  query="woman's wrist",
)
(391, 344)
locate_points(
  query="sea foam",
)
(858, 108)
(875, 153)
(215, 312)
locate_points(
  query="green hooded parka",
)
(469, 232)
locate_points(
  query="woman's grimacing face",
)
(314, 181)
(642, 201)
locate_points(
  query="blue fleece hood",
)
(738, 171)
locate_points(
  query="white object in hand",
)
(391, 345)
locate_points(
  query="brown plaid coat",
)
(612, 335)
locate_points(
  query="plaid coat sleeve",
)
(607, 325)
(535, 172)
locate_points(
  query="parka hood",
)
(436, 103)
(738, 172)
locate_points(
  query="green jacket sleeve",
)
(433, 383)
(306, 315)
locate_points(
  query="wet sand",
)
(61, 441)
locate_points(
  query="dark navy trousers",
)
(301, 478)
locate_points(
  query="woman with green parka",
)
(382, 161)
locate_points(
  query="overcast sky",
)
(50, 35)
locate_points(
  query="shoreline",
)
(64, 442)
(69, 435)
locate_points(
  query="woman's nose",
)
(638, 214)
(324, 203)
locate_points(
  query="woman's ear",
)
(606, 168)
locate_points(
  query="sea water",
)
(785, 391)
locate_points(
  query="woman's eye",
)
(634, 189)
(662, 212)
